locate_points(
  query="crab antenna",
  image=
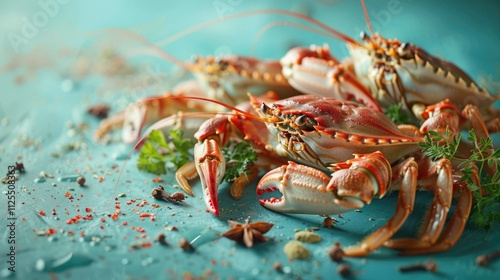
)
(367, 17)
(239, 111)
(151, 49)
(337, 34)
(273, 24)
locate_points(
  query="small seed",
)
(80, 181)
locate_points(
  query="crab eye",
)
(265, 109)
(305, 123)
(364, 36)
(405, 50)
(223, 64)
(301, 120)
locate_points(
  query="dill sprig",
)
(486, 210)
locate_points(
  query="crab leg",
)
(436, 177)
(148, 110)
(405, 173)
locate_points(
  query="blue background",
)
(44, 85)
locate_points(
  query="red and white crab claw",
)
(315, 71)
(211, 166)
(307, 190)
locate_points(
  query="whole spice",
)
(248, 233)
(99, 110)
(328, 222)
(296, 250)
(185, 245)
(80, 181)
(429, 266)
(307, 236)
(336, 253)
(484, 260)
(20, 167)
(344, 269)
(160, 193)
(162, 239)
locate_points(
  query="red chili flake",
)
(71, 233)
(146, 244)
(101, 227)
(88, 209)
(103, 220)
(128, 202)
(155, 205)
(41, 213)
(101, 178)
(50, 231)
(142, 215)
(124, 223)
(140, 229)
(88, 217)
(82, 234)
(54, 212)
(152, 218)
(157, 180)
(114, 216)
(24, 219)
(69, 222)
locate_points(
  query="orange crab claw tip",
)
(209, 169)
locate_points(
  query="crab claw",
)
(211, 166)
(304, 190)
(315, 71)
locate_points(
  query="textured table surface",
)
(58, 59)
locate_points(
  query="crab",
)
(227, 79)
(342, 155)
(395, 73)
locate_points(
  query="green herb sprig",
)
(397, 114)
(239, 156)
(486, 210)
(159, 156)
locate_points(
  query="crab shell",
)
(404, 73)
(321, 131)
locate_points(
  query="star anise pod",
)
(248, 233)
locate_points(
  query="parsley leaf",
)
(239, 156)
(157, 156)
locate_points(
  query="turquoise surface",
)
(57, 60)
